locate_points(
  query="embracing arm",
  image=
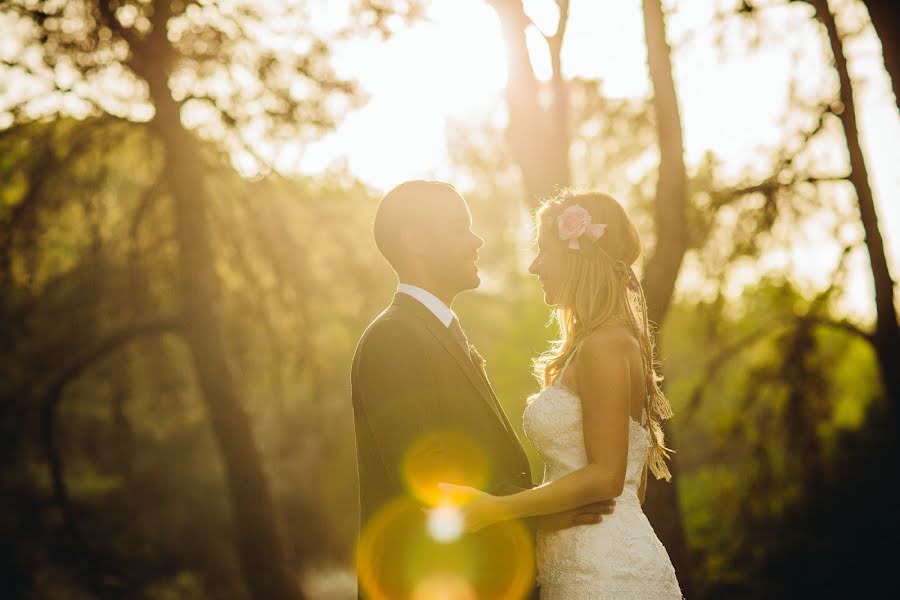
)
(603, 384)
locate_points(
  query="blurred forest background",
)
(180, 303)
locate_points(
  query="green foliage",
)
(142, 496)
(763, 447)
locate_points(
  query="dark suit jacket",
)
(409, 378)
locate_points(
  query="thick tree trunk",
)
(663, 510)
(886, 338)
(670, 208)
(537, 137)
(886, 20)
(261, 548)
(661, 271)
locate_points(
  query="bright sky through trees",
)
(733, 101)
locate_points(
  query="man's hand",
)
(585, 515)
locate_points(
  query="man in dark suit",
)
(424, 410)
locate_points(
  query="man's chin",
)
(469, 282)
(462, 280)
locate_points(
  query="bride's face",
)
(549, 266)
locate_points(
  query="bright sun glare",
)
(452, 66)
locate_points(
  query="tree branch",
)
(49, 404)
(810, 317)
(842, 325)
(720, 360)
(560, 91)
(108, 17)
(771, 184)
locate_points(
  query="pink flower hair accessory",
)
(574, 222)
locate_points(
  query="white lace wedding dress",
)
(619, 558)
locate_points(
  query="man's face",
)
(451, 250)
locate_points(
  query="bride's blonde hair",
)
(599, 287)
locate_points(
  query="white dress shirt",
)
(431, 302)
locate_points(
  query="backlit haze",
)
(452, 66)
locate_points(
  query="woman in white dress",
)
(597, 421)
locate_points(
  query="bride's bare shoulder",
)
(612, 338)
(604, 352)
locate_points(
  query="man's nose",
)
(531, 267)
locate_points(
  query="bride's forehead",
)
(544, 232)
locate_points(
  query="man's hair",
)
(402, 209)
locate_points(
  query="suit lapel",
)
(495, 402)
(474, 374)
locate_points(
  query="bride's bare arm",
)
(603, 384)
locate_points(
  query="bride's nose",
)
(532, 268)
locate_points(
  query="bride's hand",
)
(478, 509)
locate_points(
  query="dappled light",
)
(190, 269)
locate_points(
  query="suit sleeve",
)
(398, 395)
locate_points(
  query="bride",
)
(597, 420)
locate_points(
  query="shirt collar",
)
(431, 302)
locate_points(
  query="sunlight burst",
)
(445, 523)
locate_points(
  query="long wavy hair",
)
(599, 288)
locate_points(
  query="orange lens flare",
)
(444, 586)
(444, 456)
(399, 558)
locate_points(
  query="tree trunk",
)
(661, 271)
(886, 339)
(670, 207)
(258, 538)
(886, 19)
(538, 137)
(663, 510)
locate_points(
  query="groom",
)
(423, 407)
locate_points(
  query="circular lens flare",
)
(444, 586)
(445, 523)
(444, 456)
(399, 556)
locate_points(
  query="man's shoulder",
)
(392, 327)
(391, 339)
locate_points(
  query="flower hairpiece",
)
(575, 222)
